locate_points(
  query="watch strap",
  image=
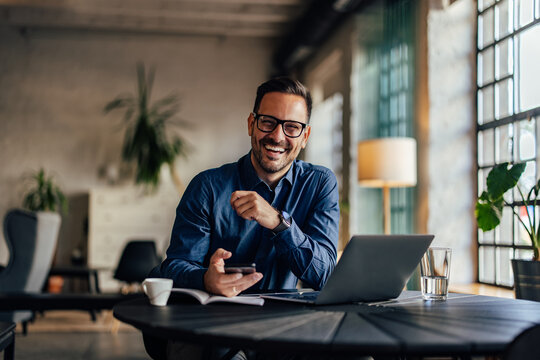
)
(284, 223)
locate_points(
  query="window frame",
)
(512, 121)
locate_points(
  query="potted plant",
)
(45, 195)
(146, 142)
(46, 199)
(488, 214)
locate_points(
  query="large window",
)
(385, 105)
(508, 111)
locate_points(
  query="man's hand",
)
(252, 206)
(219, 283)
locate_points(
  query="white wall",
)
(451, 59)
(54, 84)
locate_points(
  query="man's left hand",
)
(252, 206)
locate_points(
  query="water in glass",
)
(434, 287)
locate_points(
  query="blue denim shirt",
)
(205, 221)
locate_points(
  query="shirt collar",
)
(249, 176)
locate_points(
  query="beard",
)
(271, 166)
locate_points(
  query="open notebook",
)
(372, 268)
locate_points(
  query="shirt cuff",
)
(288, 240)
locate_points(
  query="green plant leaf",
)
(488, 213)
(45, 195)
(117, 103)
(533, 193)
(503, 178)
(146, 141)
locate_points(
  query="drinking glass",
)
(435, 270)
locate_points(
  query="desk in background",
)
(82, 272)
(464, 325)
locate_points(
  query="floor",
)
(59, 335)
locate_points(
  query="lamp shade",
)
(387, 162)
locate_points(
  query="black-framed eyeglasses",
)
(267, 124)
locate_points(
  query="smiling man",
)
(267, 208)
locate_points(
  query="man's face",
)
(274, 152)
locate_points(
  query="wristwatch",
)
(285, 222)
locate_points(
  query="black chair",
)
(136, 261)
(525, 346)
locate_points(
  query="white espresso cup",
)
(158, 290)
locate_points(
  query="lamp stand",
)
(386, 209)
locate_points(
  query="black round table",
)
(463, 325)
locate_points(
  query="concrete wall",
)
(54, 84)
(451, 59)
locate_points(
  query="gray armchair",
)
(31, 240)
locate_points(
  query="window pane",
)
(504, 98)
(529, 70)
(485, 105)
(509, 196)
(522, 235)
(402, 106)
(528, 178)
(504, 58)
(482, 175)
(503, 145)
(485, 28)
(524, 254)
(485, 66)
(486, 264)
(405, 75)
(384, 85)
(485, 148)
(487, 237)
(506, 231)
(393, 108)
(504, 269)
(504, 17)
(526, 144)
(482, 4)
(394, 80)
(526, 11)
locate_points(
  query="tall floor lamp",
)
(387, 163)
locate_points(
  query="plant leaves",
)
(45, 196)
(145, 140)
(502, 178)
(119, 102)
(488, 212)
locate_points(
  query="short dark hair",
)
(283, 85)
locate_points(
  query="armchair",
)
(31, 240)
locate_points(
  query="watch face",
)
(286, 217)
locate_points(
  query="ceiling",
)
(251, 18)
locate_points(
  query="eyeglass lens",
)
(290, 128)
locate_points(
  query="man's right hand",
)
(216, 281)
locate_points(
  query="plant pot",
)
(527, 279)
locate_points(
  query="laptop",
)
(371, 268)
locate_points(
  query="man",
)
(268, 208)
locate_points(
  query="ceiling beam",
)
(44, 19)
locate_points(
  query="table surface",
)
(464, 324)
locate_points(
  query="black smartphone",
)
(240, 268)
